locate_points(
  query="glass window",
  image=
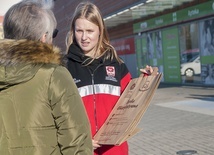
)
(189, 53)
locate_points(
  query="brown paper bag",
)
(122, 122)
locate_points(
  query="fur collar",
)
(14, 52)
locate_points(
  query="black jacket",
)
(100, 85)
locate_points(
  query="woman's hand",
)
(95, 144)
(147, 71)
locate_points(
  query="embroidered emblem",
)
(110, 70)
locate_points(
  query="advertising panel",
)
(207, 51)
(171, 55)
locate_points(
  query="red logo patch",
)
(110, 70)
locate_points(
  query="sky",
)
(5, 5)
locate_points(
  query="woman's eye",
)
(78, 31)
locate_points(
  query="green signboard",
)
(193, 12)
(171, 56)
(207, 59)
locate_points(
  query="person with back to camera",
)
(100, 75)
(41, 111)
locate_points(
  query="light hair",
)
(90, 12)
(30, 19)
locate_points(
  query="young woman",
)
(100, 75)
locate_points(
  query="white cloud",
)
(5, 5)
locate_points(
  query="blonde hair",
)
(91, 12)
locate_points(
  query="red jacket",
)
(100, 85)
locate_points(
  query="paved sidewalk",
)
(178, 118)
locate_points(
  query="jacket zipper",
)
(94, 102)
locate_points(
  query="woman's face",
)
(87, 35)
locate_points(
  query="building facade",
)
(178, 38)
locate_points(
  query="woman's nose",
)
(84, 36)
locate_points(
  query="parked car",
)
(191, 67)
(188, 56)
